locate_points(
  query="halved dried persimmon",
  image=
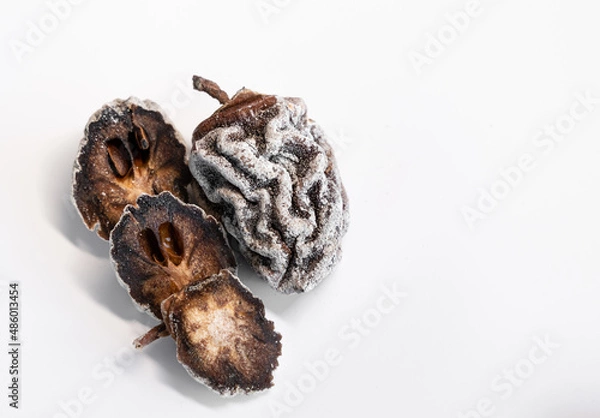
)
(129, 148)
(162, 244)
(223, 338)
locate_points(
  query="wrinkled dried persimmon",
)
(273, 174)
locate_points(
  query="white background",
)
(415, 144)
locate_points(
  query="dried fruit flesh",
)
(162, 244)
(223, 338)
(129, 148)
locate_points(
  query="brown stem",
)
(152, 335)
(211, 88)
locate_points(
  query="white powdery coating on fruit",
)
(237, 171)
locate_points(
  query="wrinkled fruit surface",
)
(129, 148)
(274, 176)
(162, 244)
(223, 338)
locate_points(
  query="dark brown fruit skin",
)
(162, 244)
(247, 108)
(223, 338)
(128, 149)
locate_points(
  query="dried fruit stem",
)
(154, 334)
(211, 88)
